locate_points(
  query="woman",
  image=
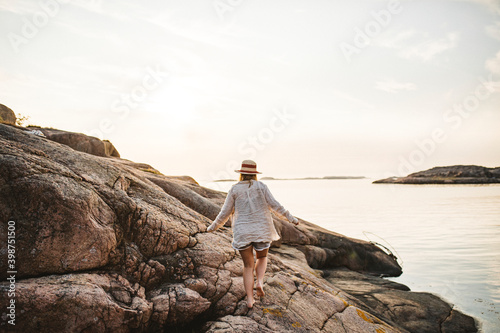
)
(253, 227)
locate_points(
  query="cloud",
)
(429, 49)
(493, 64)
(392, 86)
(493, 30)
(493, 5)
(396, 40)
(412, 45)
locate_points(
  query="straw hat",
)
(248, 167)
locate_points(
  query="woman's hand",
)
(295, 221)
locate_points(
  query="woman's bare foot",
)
(260, 291)
(250, 303)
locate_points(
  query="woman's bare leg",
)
(248, 267)
(260, 270)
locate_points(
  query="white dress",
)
(251, 202)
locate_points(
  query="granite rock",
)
(7, 116)
(108, 245)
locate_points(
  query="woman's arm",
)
(225, 212)
(276, 206)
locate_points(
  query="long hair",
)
(247, 177)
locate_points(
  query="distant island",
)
(305, 178)
(456, 174)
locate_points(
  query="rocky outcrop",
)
(109, 245)
(457, 174)
(7, 116)
(80, 142)
(415, 312)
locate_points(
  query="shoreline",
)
(150, 244)
(446, 274)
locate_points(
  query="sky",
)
(304, 88)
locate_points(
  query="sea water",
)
(447, 237)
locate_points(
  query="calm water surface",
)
(446, 236)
